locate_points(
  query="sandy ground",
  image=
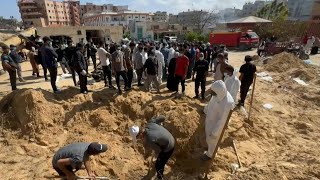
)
(278, 143)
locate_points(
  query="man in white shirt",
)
(171, 53)
(105, 63)
(160, 60)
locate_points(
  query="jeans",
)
(13, 78)
(83, 82)
(202, 82)
(244, 88)
(123, 74)
(107, 73)
(130, 77)
(53, 77)
(190, 69)
(162, 160)
(152, 79)
(179, 79)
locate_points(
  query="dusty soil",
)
(280, 143)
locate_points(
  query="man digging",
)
(155, 137)
(69, 159)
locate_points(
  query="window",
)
(79, 32)
(136, 17)
(49, 10)
(143, 17)
(48, 4)
(50, 17)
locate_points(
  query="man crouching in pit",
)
(69, 159)
(155, 137)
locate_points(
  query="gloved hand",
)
(83, 73)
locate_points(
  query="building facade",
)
(116, 18)
(304, 10)
(92, 8)
(43, 13)
(161, 16)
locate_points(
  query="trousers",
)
(53, 77)
(152, 79)
(123, 74)
(244, 88)
(130, 77)
(94, 61)
(200, 82)
(13, 78)
(162, 160)
(107, 73)
(179, 80)
(83, 82)
(139, 75)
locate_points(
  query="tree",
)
(200, 19)
(274, 11)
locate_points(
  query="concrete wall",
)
(115, 33)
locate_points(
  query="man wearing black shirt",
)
(201, 69)
(151, 65)
(247, 75)
(80, 65)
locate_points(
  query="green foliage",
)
(195, 36)
(274, 11)
(283, 30)
(126, 35)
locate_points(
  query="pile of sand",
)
(49, 121)
(283, 62)
(35, 123)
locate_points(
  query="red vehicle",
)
(240, 40)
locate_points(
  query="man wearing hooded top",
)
(232, 82)
(201, 68)
(217, 113)
(69, 159)
(157, 138)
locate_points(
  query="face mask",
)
(151, 57)
(201, 58)
(225, 74)
(14, 49)
(50, 44)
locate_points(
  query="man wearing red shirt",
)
(182, 64)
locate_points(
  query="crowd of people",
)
(151, 63)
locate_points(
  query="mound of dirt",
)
(30, 111)
(51, 121)
(283, 62)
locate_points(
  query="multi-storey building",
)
(304, 10)
(42, 13)
(116, 18)
(161, 16)
(92, 8)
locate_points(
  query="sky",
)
(10, 8)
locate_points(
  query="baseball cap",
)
(97, 148)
